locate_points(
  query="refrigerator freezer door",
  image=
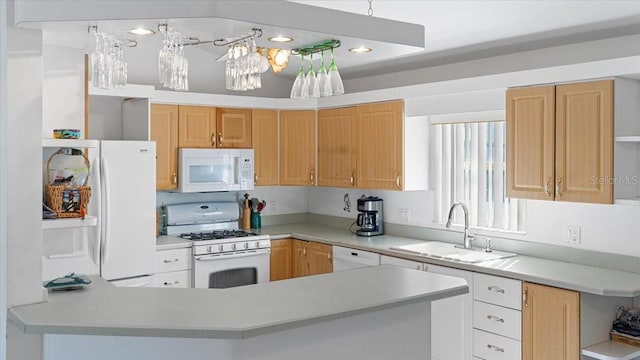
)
(128, 208)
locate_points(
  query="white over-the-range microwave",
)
(204, 170)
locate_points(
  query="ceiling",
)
(453, 31)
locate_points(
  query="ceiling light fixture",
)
(141, 31)
(361, 50)
(281, 39)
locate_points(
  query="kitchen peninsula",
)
(375, 313)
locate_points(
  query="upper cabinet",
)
(264, 138)
(197, 127)
(164, 131)
(337, 147)
(234, 128)
(297, 147)
(560, 142)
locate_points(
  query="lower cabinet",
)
(497, 317)
(280, 259)
(173, 268)
(550, 323)
(291, 258)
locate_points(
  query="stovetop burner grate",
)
(217, 234)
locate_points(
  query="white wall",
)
(63, 87)
(3, 180)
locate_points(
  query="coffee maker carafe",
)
(370, 216)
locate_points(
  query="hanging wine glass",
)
(311, 82)
(324, 84)
(296, 90)
(337, 87)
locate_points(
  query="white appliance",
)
(222, 257)
(345, 258)
(203, 170)
(128, 211)
(117, 240)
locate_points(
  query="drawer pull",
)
(496, 289)
(495, 318)
(166, 261)
(166, 283)
(495, 348)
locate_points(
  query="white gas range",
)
(223, 256)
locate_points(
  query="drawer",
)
(175, 279)
(495, 347)
(497, 319)
(497, 290)
(173, 260)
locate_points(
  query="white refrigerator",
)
(128, 210)
(121, 245)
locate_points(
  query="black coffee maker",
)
(370, 216)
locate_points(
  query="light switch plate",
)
(572, 234)
(404, 216)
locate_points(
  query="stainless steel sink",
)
(447, 251)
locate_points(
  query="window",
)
(469, 161)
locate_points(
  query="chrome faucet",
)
(468, 236)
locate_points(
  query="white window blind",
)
(469, 161)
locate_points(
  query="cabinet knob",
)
(220, 138)
(175, 179)
(398, 182)
(255, 178)
(559, 187)
(311, 176)
(496, 289)
(352, 179)
(495, 348)
(213, 139)
(547, 188)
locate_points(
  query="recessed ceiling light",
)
(361, 49)
(281, 39)
(141, 31)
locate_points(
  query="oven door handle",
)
(232, 256)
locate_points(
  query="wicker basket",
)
(68, 201)
(627, 339)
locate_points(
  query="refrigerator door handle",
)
(98, 197)
(106, 213)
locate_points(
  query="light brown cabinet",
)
(281, 259)
(379, 152)
(337, 147)
(164, 131)
(234, 128)
(550, 323)
(297, 147)
(311, 258)
(207, 127)
(264, 140)
(560, 142)
(197, 127)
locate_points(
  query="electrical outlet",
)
(404, 216)
(273, 206)
(572, 234)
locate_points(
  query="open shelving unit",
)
(626, 151)
(69, 223)
(610, 350)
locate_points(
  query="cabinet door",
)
(234, 128)
(531, 142)
(320, 258)
(379, 146)
(164, 131)
(550, 323)
(280, 261)
(264, 139)
(584, 142)
(337, 147)
(197, 127)
(297, 147)
(299, 261)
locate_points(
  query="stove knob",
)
(209, 249)
(233, 246)
(257, 244)
(246, 245)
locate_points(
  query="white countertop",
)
(584, 278)
(165, 242)
(234, 313)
